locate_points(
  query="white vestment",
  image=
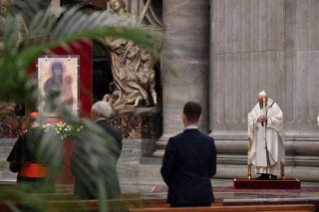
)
(274, 138)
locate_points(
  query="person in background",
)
(33, 159)
(105, 153)
(265, 129)
(189, 163)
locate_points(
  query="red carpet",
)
(266, 184)
(164, 189)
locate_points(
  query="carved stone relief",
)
(155, 13)
(7, 9)
(132, 67)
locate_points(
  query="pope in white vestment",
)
(266, 155)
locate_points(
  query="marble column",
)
(271, 45)
(186, 47)
(55, 6)
(56, 3)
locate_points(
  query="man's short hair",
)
(33, 119)
(192, 110)
(102, 109)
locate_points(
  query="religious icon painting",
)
(58, 84)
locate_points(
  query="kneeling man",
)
(265, 129)
(189, 163)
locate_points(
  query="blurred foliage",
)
(16, 84)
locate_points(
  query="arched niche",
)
(102, 73)
(155, 13)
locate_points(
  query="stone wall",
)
(271, 45)
(140, 133)
(127, 164)
(6, 145)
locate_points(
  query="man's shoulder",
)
(109, 128)
(35, 131)
(199, 133)
(207, 137)
(274, 105)
(118, 131)
(22, 137)
(176, 136)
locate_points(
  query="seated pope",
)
(265, 129)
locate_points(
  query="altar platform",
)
(279, 184)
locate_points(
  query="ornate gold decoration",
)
(283, 172)
(249, 166)
(132, 67)
(7, 108)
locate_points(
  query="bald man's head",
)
(260, 99)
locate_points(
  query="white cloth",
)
(101, 119)
(274, 138)
(190, 127)
(318, 120)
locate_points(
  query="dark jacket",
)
(189, 163)
(34, 149)
(107, 158)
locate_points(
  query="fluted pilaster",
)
(186, 26)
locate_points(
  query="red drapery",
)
(83, 48)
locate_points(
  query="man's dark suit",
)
(109, 175)
(189, 163)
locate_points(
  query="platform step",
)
(266, 184)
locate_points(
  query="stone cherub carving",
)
(132, 67)
(147, 74)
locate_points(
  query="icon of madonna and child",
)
(58, 81)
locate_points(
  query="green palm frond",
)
(17, 84)
(73, 26)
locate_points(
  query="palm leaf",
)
(15, 83)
